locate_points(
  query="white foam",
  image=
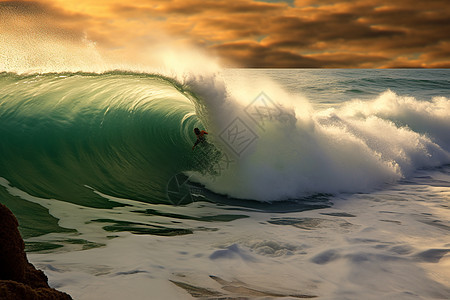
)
(358, 147)
(389, 244)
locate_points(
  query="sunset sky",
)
(249, 33)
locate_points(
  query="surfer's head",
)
(197, 131)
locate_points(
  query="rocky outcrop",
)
(19, 279)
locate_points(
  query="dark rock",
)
(19, 279)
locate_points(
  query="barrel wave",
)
(65, 135)
(68, 136)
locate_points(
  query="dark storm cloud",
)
(295, 32)
(195, 7)
(190, 7)
(254, 55)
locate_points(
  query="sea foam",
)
(299, 150)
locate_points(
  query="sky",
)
(248, 33)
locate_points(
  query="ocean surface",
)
(312, 183)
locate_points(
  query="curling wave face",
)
(126, 134)
(64, 134)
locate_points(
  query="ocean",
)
(312, 183)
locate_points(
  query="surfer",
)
(200, 137)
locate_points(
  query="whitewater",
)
(328, 184)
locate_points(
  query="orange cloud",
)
(250, 33)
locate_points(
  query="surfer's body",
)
(200, 137)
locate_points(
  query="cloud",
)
(254, 55)
(247, 33)
(39, 18)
